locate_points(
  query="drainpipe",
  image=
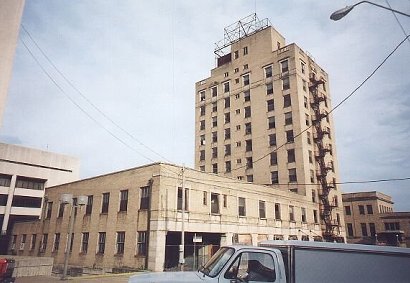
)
(150, 182)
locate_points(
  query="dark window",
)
(245, 50)
(215, 203)
(227, 149)
(249, 163)
(274, 177)
(350, 229)
(226, 87)
(303, 212)
(285, 83)
(241, 206)
(214, 106)
(84, 242)
(268, 72)
(315, 218)
(56, 241)
(227, 134)
(247, 95)
(372, 228)
(205, 198)
(145, 197)
(43, 245)
(33, 241)
(215, 168)
(277, 211)
(29, 183)
(202, 95)
(248, 146)
(23, 201)
(214, 136)
(271, 122)
(287, 100)
(49, 209)
(269, 89)
(291, 213)
(120, 242)
(361, 209)
(246, 79)
(292, 175)
(288, 118)
(262, 210)
(227, 118)
(313, 196)
(202, 155)
(214, 91)
(89, 206)
(225, 200)
(389, 226)
(272, 140)
(228, 166)
(123, 200)
(101, 242)
(105, 202)
(202, 110)
(142, 243)
(247, 111)
(249, 178)
(60, 210)
(348, 210)
(227, 102)
(248, 128)
(369, 209)
(273, 158)
(214, 121)
(179, 204)
(5, 180)
(289, 136)
(270, 105)
(214, 152)
(291, 155)
(202, 125)
(284, 66)
(364, 229)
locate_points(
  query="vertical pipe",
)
(182, 246)
(67, 246)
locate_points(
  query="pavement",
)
(114, 278)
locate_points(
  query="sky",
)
(137, 63)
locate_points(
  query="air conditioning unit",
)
(22, 246)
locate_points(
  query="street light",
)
(68, 199)
(337, 15)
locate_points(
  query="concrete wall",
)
(31, 266)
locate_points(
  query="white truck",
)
(296, 261)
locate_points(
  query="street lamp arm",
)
(337, 15)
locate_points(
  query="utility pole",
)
(182, 246)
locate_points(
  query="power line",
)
(77, 105)
(86, 99)
(334, 108)
(398, 21)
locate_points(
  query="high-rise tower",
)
(262, 117)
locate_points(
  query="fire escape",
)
(326, 204)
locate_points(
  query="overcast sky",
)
(138, 61)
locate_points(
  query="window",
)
(291, 155)
(303, 216)
(225, 200)
(269, 88)
(238, 144)
(227, 118)
(372, 228)
(84, 242)
(248, 128)
(227, 149)
(89, 206)
(307, 120)
(226, 86)
(145, 197)
(237, 96)
(245, 50)
(226, 74)
(272, 140)
(364, 229)
(214, 106)
(214, 152)
(289, 136)
(288, 118)
(238, 161)
(389, 226)
(202, 155)
(120, 242)
(227, 102)
(123, 200)
(271, 122)
(101, 242)
(270, 105)
(369, 209)
(236, 54)
(309, 141)
(304, 85)
(274, 177)
(361, 209)
(277, 211)
(105, 202)
(202, 95)
(268, 72)
(228, 166)
(315, 218)
(292, 175)
(227, 134)
(202, 125)
(202, 110)
(49, 209)
(202, 140)
(71, 242)
(202, 168)
(142, 243)
(245, 67)
(284, 66)
(214, 203)
(248, 146)
(249, 163)
(237, 81)
(313, 196)
(241, 206)
(179, 201)
(238, 127)
(291, 213)
(310, 156)
(285, 83)
(312, 176)
(214, 136)
(215, 168)
(287, 101)
(303, 67)
(254, 266)
(262, 210)
(348, 210)
(238, 111)
(349, 229)
(33, 241)
(247, 95)
(43, 245)
(60, 210)
(56, 241)
(245, 79)
(236, 70)
(214, 91)
(273, 158)
(214, 121)
(305, 102)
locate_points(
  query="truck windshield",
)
(217, 262)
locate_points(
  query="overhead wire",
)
(85, 97)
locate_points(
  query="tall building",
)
(10, 16)
(262, 117)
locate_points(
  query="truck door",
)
(252, 266)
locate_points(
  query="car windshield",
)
(217, 261)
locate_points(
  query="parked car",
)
(6, 270)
